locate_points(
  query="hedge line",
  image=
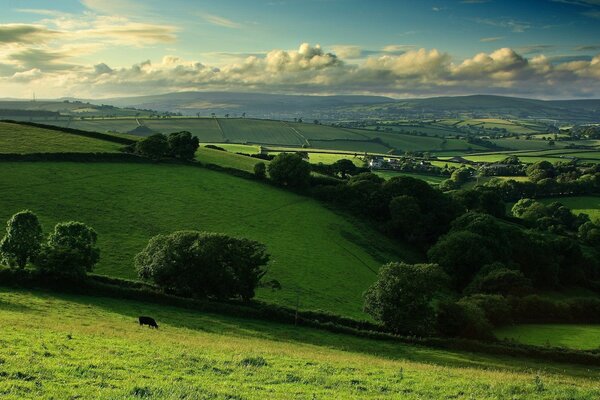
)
(139, 291)
(94, 135)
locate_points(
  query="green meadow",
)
(322, 259)
(581, 337)
(589, 205)
(16, 138)
(57, 346)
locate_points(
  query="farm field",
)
(66, 346)
(325, 260)
(16, 138)
(227, 159)
(260, 131)
(582, 337)
(589, 205)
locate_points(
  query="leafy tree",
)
(289, 169)
(496, 278)
(405, 216)
(343, 167)
(154, 146)
(463, 319)
(402, 295)
(203, 264)
(461, 254)
(590, 233)
(540, 170)
(260, 170)
(182, 145)
(23, 238)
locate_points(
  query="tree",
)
(343, 167)
(461, 254)
(590, 233)
(182, 145)
(23, 238)
(154, 146)
(78, 238)
(405, 215)
(288, 169)
(260, 170)
(202, 264)
(402, 295)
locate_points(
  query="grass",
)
(582, 337)
(15, 138)
(431, 179)
(64, 346)
(321, 258)
(227, 159)
(589, 205)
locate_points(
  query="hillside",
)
(322, 259)
(18, 109)
(276, 133)
(16, 138)
(65, 346)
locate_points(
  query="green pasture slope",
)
(63, 346)
(574, 336)
(321, 258)
(22, 139)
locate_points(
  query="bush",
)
(290, 169)
(22, 240)
(402, 295)
(182, 145)
(154, 146)
(496, 308)
(202, 264)
(497, 279)
(463, 319)
(260, 170)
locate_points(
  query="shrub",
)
(463, 319)
(22, 240)
(202, 264)
(498, 279)
(290, 169)
(402, 295)
(71, 250)
(182, 145)
(154, 146)
(260, 170)
(496, 308)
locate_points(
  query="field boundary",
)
(100, 286)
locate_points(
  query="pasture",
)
(573, 336)
(16, 138)
(66, 346)
(589, 205)
(322, 259)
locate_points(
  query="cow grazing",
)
(148, 321)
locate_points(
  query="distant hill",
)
(358, 107)
(23, 109)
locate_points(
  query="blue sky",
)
(542, 48)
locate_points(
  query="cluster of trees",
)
(559, 219)
(201, 264)
(458, 177)
(180, 145)
(510, 166)
(69, 251)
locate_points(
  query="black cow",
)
(148, 321)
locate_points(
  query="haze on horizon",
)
(108, 48)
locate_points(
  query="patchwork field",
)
(582, 337)
(16, 138)
(64, 346)
(324, 260)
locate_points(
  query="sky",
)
(548, 49)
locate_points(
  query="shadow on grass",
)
(173, 317)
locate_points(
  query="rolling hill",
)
(322, 259)
(66, 346)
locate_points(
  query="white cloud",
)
(221, 21)
(311, 69)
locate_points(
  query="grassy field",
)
(431, 179)
(589, 205)
(63, 346)
(319, 256)
(15, 138)
(582, 337)
(227, 159)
